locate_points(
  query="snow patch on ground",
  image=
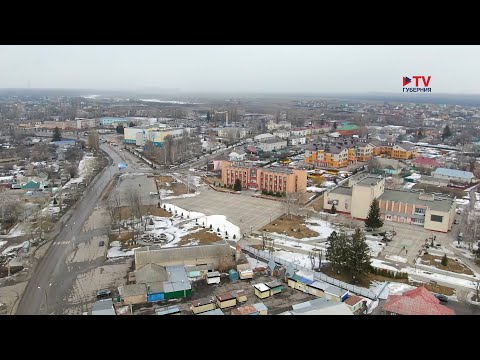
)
(13, 247)
(462, 201)
(2, 243)
(115, 252)
(183, 196)
(396, 258)
(396, 288)
(294, 258)
(14, 232)
(316, 189)
(371, 305)
(381, 265)
(324, 228)
(375, 247)
(439, 277)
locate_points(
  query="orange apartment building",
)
(270, 179)
(349, 151)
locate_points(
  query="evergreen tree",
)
(373, 219)
(331, 254)
(238, 185)
(357, 254)
(444, 260)
(333, 210)
(446, 132)
(342, 248)
(132, 124)
(208, 115)
(120, 129)
(57, 135)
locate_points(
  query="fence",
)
(316, 275)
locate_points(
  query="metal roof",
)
(225, 296)
(335, 290)
(261, 287)
(343, 190)
(310, 303)
(319, 285)
(213, 312)
(467, 175)
(169, 287)
(406, 197)
(176, 273)
(168, 310)
(297, 278)
(274, 284)
(151, 273)
(203, 301)
(213, 274)
(103, 307)
(260, 306)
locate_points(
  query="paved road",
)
(47, 283)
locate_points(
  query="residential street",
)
(49, 282)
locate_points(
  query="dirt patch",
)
(439, 289)
(170, 183)
(452, 265)
(213, 180)
(127, 212)
(203, 236)
(13, 270)
(459, 193)
(122, 237)
(317, 204)
(293, 227)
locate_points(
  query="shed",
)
(177, 290)
(299, 283)
(275, 287)
(334, 293)
(233, 275)
(213, 277)
(262, 290)
(133, 294)
(355, 303)
(213, 312)
(255, 309)
(155, 292)
(240, 295)
(317, 288)
(244, 271)
(103, 307)
(31, 185)
(226, 300)
(201, 305)
(169, 310)
(272, 265)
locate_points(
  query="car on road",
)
(103, 293)
(455, 221)
(441, 297)
(101, 243)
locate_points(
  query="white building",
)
(284, 134)
(296, 140)
(263, 137)
(299, 132)
(83, 123)
(272, 144)
(281, 125)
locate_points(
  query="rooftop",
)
(418, 301)
(406, 197)
(213, 312)
(369, 181)
(203, 301)
(273, 140)
(225, 296)
(151, 273)
(467, 175)
(343, 190)
(103, 307)
(261, 287)
(132, 290)
(353, 300)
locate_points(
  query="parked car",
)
(455, 221)
(103, 293)
(101, 243)
(441, 297)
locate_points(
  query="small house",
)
(177, 290)
(334, 293)
(155, 292)
(262, 290)
(226, 300)
(103, 307)
(240, 295)
(169, 310)
(201, 305)
(233, 275)
(244, 271)
(213, 277)
(213, 312)
(275, 287)
(355, 303)
(133, 294)
(317, 288)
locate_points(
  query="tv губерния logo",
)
(417, 78)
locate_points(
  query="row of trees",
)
(349, 252)
(174, 149)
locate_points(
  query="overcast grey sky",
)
(233, 68)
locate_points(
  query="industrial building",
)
(156, 135)
(281, 180)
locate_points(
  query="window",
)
(420, 211)
(418, 221)
(436, 218)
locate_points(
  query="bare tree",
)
(320, 258)
(291, 204)
(93, 140)
(135, 200)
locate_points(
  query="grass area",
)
(452, 265)
(127, 212)
(203, 236)
(292, 226)
(439, 289)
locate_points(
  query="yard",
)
(202, 237)
(292, 226)
(452, 265)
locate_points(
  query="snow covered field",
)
(439, 277)
(375, 247)
(115, 251)
(381, 265)
(324, 228)
(316, 189)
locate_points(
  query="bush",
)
(264, 192)
(271, 193)
(278, 194)
(444, 260)
(389, 273)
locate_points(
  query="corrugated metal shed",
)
(320, 285)
(103, 307)
(225, 296)
(260, 307)
(301, 279)
(213, 274)
(167, 311)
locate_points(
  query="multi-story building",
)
(299, 132)
(265, 136)
(83, 123)
(280, 125)
(114, 121)
(140, 136)
(284, 134)
(271, 144)
(281, 180)
(428, 210)
(62, 125)
(341, 153)
(296, 140)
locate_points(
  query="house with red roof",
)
(418, 301)
(426, 162)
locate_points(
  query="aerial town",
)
(118, 203)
